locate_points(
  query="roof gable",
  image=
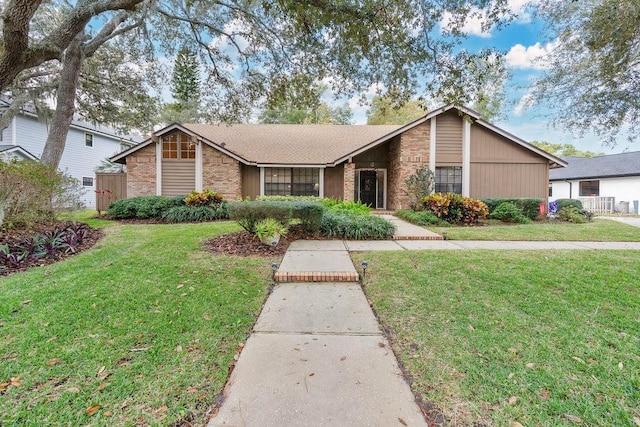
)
(16, 151)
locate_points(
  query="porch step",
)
(316, 261)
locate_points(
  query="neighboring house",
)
(15, 152)
(87, 146)
(368, 163)
(603, 184)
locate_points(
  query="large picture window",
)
(589, 188)
(448, 179)
(178, 145)
(291, 182)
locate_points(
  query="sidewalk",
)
(317, 356)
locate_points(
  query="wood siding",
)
(379, 156)
(448, 139)
(109, 188)
(334, 182)
(178, 177)
(250, 182)
(502, 168)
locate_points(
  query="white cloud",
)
(525, 103)
(523, 57)
(472, 24)
(522, 9)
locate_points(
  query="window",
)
(449, 179)
(178, 145)
(550, 190)
(589, 188)
(88, 139)
(87, 181)
(291, 182)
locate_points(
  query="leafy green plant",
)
(354, 226)
(563, 203)
(418, 186)
(143, 207)
(179, 214)
(421, 218)
(455, 208)
(248, 214)
(203, 198)
(351, 206)
(572, 214)
(528, 207)
(270, 227)
(509, 212)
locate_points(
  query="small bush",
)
(529, 207)
(418, 186)
(454, 208)
(143, 207)
(309, 213)
(356, 227)
(563, 203)
(350, 206)
(248, 214)
(422, 218)
(572, 214)
(178, 214)
(508, 212)
(203, 198)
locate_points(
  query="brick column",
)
(349, 182)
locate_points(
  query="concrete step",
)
(316, 261)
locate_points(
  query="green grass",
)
(599, 230)
(559, 331)
(146, 325)
(88, 216)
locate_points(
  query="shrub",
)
(530, 208)
(422, 218)
(179, 214)
(143, 207)
(203, 198)
(563, 203)
(418, 186)
(350, 206)
(309, 213)
(572, 214)
(454, 208)
(32, 192)
(248, 214)
(357, 227)
(270, 227)
(509, 212)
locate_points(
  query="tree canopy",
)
(384, 112)
(592, 79)
(564, 150)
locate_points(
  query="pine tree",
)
(185, 83)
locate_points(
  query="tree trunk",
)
(65, 107)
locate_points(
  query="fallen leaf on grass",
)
(577, 359)
(530, 365)
(636, 421)
(179, 286)
(108, 413)
(73, 390)
(620, 366)
(544, 394)
(13, 382)
(52, 362)
(179, 348)
(206, 317)
(516, 424)
(91, 410)
(102, 386)
(513, 400)
(573, 418)
(29, 301)
(511, 375)
(135, 350)
(512, 350)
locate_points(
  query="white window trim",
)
(432, 146)
(466, 157)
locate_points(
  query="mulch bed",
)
(14, 237)
(244, 243)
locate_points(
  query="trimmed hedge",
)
(355, 226)
(248, 214)
(509, 212)
(421, 218)
(179, 214)
(143, 207)
(564, 203)
(529, 207)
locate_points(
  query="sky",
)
(523, 40)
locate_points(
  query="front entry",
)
(371, 187)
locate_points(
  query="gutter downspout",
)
(570, 187)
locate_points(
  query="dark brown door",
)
(368, 188)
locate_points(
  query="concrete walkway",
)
(317, 356)
(635, 221)
(408, 231)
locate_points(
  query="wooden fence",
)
(598, 205)
(109, 188)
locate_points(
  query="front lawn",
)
(537, 338)
(599, 230)
(140, 330)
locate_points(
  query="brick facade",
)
(221, 173)
(407, 152)
(349, 182)
(141, 172)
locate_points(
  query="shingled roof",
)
(613, 165)
(291, 144)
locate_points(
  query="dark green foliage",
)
(455, 208)
(573, 214)
(248, 214)
(529, 207)
(563, 203)
(356, 227)
(509, 212)
(143, 207)
(422, 218)
(179, 214)
(309, 214)
(418, 186)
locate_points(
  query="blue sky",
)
(523, 40)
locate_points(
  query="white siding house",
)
(87, 146)
(604, 184)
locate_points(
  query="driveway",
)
(635, 221)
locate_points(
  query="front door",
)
(368, 187)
